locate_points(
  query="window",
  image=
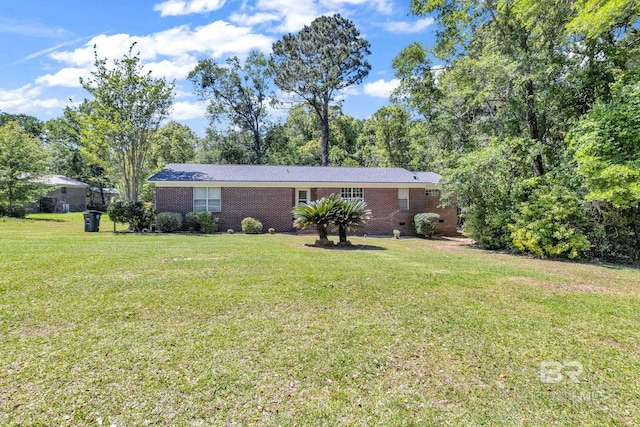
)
(432, 192)
(403, 199)
(63, 190)
(303, 196)
(206, 199)
(352, 193)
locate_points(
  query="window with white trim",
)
(433, 192)
(303, 196)
(207, 199)
(352, 193)
(403, 199)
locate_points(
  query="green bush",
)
(551, 224)
(13, 211)
(272, 231)
(202, 221)
(251, 226)
(169, 222)
(230, 231)
(138, 215)
(425, 224)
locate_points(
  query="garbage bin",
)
(92, 221)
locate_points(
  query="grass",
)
(125, 329)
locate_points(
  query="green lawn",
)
(127, 330)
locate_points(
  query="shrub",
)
(251, 226)
(272, 231)
(169, 222)
(396, 233)
(425, 224)
(13, 211)
(552, 223)
(230, 231)
(202, 221)
(138, 215)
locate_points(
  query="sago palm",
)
(349, 215)
(319, 214)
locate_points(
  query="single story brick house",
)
(65, 195)
(269, 193)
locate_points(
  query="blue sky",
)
(47, 45)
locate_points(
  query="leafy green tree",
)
(27, 123)
(127, 108)
(391, 128)
(172, 143)
(22, 162)
(606, 143)
(238, 93)
(322, 59)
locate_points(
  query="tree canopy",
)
(323, 58)
(128, 106)
(22, 162)
(238, 93)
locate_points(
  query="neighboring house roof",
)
(278, 175)
(60, 181)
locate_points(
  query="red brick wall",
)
(448, 225)
(272, 206)
(174, 199)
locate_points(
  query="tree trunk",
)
(342, 233)
(532, 123)
(322, 231)
(324, 125)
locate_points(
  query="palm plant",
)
(349, 215)
(319, 214)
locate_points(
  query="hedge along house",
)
(269, 193)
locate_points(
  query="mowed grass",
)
(128, 330)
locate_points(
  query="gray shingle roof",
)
(175, 172)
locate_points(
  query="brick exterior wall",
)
(448, 225)
(272, 206)
(75, 197)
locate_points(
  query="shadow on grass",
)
(45, 220)
(347, 247)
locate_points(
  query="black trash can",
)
(92, 221)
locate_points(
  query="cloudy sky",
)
(47, 45)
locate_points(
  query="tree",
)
(390, 127)
(319, 214)
(349, 215)
(172, 143)
(127, 108)
(27, 123)
(238, 93)
(22, 162)
(322, 59)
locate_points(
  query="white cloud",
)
(170, 70)
(212, 40)
(257, 19)
(68, 77)
(187, 7)
(25, 100)
(406, 27)
(381, 88)
(184, 110)
(382, 6)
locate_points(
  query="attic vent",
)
(415, 177)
